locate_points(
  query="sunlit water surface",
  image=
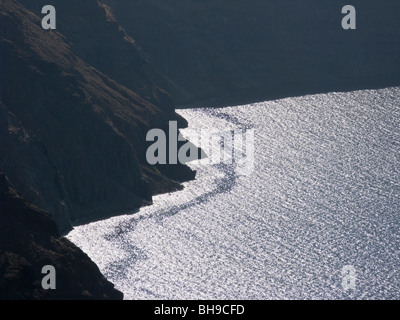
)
(324, 194)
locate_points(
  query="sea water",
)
(317, 218)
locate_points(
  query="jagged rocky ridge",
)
(72, 139)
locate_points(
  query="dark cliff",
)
(29, 240)
(93, 33)
(72, 139)
(244, 51)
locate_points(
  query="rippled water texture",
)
(324, 194)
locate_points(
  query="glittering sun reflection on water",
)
(324, 194)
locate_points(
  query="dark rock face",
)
(91, 30)
(72, 140)
(29, 240)
(244, 51)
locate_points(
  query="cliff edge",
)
(72, 139)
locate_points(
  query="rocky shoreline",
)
(73, 124)
(76, 104)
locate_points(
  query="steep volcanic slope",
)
(261, 49)
(29, 240)
(72, 140)
(92, 32)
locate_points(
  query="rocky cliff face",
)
(93, 33)
(243, 51)
(29, 240)
(72, 139)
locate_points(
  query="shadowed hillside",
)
(244, 51)
(93, 34)
(72, 140)
(29, 240)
